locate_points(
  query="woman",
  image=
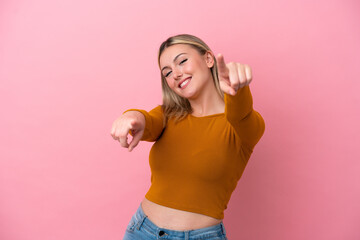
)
(204, 134)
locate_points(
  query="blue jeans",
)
(141, 228)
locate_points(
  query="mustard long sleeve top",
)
(197, 162)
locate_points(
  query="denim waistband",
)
(144, 222)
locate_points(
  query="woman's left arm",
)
(234, 79)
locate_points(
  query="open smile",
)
(184, 83)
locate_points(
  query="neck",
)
(207, 102)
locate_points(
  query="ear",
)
(209, 58)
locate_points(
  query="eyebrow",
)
(173, 60)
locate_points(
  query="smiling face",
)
(186, 71)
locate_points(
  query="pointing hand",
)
(233, 75)
(131, 122)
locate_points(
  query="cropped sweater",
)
(196, 163)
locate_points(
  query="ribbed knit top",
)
(197, 162)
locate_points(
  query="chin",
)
(188, 94)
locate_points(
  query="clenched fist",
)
(133, 121)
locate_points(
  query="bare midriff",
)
(174, 219)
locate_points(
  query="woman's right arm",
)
(153, 123)
(142, 125)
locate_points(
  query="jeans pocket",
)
(132, 224)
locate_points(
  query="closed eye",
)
(179, 63)
(183, 61)
(167, 74)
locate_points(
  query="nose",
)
(177, 74)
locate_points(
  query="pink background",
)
(69, 68)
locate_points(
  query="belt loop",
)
(140, 222)
(186, 235)
(223, 228)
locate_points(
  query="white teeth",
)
(183, 83)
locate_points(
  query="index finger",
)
(221, 64)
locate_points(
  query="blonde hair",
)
(173, 104)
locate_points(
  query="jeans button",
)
(161, 233)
